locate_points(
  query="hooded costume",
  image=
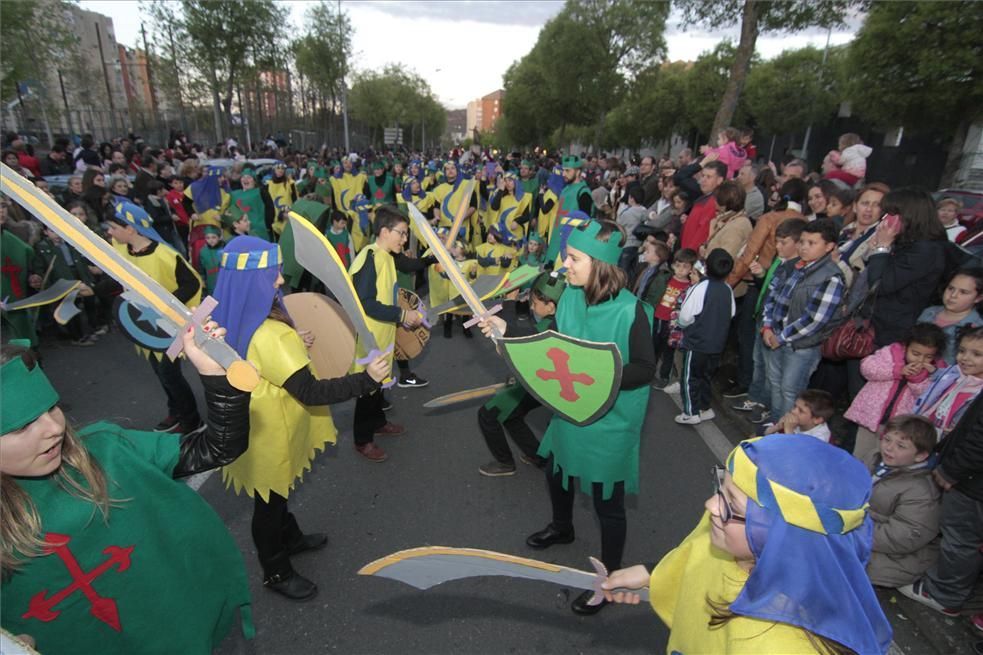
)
(284, 435)
(808, 528)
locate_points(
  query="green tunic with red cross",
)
(16, 260)
(605, 451)
(162, 575)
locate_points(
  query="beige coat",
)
(730, 231)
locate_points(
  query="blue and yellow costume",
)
(809, 531)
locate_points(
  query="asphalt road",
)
(429, 492)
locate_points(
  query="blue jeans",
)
(788, 375)
(759, 391)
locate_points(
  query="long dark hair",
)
(918, 216)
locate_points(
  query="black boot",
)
(279, 576)
(467, 330)
(448, 325)
(297, 542)
(549, 536)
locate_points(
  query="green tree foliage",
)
(321, 55)
(578, 68)
(226, 39)
(755, 17)
(919, 64)
(705, 83)
(790, 92)
(395, 97)
(653, 109)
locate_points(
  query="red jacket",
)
(696, 229)
(30, 163)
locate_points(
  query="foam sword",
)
(432, 565)
(172, 315)
(453, 272)
(314, 252)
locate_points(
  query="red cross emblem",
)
(42, 607)
(379, 194)
(242, 206)
(12, 271)
(561, 373)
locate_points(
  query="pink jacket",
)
(732, 155)
(883, 372)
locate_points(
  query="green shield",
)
(577, 379)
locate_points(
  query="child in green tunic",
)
(603, 454)
(210, 257)
(103, 500)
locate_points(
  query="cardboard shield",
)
(139, 324)
(334, 337)
(410, 341)
(579, 380)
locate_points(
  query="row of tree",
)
(597, 73)
(232, 56)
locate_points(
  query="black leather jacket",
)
(227, 434)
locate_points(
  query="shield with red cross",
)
(577, 379)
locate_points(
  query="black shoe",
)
(549, 536)
(308, 542)
(279, 576)
(411, 380)
(291, 585)
(386, 403)
(468, 334)
(735, 391)
(533, 460)
(580, 606)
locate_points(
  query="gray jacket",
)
(905, 507)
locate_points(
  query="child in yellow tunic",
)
(288, 413)
(776, 565)
(494, 257)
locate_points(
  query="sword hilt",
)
(496, 335)
(375, 353)
(240, 373)
(601, 578)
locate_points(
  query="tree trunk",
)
(216, 104)
(738, 72)
(955, 155)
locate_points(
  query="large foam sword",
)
(430, 566)
(173, 316)
(452, 271)
(314, 252)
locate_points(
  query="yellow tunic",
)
(161, 265)
(678, 590)
(284, 435)
(544, 225)
(495, 250)
(282, 194)
(441, 288)
(385, 292)
(509, 210)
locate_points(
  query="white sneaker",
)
(688, 419)
(707, 415)
(671, 388)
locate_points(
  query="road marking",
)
(195, 481)
(712, 436)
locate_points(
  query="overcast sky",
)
(462, 48)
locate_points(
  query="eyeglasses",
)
(402, 233)
(726, 511)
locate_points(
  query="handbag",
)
(854, 337)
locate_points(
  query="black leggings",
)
(610, 512)
(274, 528)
